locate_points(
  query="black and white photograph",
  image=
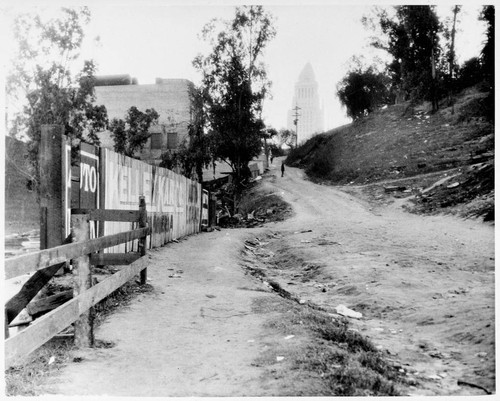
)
(228, 199)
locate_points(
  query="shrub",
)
(321, 164)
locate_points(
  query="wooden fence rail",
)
(30, 262)
(78, 310)
(46, 327)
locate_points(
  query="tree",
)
(469, 73)
(449, 29)
(195, 152)
(267, 135)
(362, 91)
(132, 134)
(410, 37)
(198, 149)
(487, 56)
(276, 150)
(451, 52)
(42, 73)
(286, 137)
(234, 85)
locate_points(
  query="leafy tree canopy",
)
(362, 91)
(194, 153)
(42, 73)
(410, 36)
(487, 56)
(130, 135)
(234, 85)
(286, 137)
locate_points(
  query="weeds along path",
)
(425, 285)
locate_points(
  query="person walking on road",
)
(282, 169)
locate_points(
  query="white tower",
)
(306, 98)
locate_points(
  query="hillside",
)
(441, 162)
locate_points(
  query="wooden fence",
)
(113, 208)
(173, 201)
(83, 252)
(99, 178)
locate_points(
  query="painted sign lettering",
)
(88, 178)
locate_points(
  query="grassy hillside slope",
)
(415, 148)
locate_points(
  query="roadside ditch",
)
(332, 356)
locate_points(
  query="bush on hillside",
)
(469, 74)
(276, 150)
(321, 164)
(298, 157)
(361, 92)
(479, 107)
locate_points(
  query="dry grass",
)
(335, 359)
(28, 379)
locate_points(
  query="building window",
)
(156, 140)
(172, 140)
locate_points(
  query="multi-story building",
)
(306, 109)
(169, 97)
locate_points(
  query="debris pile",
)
(473, 188)
(255, 207)
(16, 244)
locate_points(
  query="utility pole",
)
(296, 121)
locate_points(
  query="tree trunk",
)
(435, 104)
(456, 9)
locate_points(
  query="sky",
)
(150, 39)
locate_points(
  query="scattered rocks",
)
(327, 242)
(436, 354)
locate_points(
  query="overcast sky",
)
(149, 39)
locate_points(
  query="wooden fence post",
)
(82, 279)
(212, 210)
(6, 327)
(143, 222)
(52, 186)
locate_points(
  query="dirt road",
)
(197, 335)
(425, 287)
